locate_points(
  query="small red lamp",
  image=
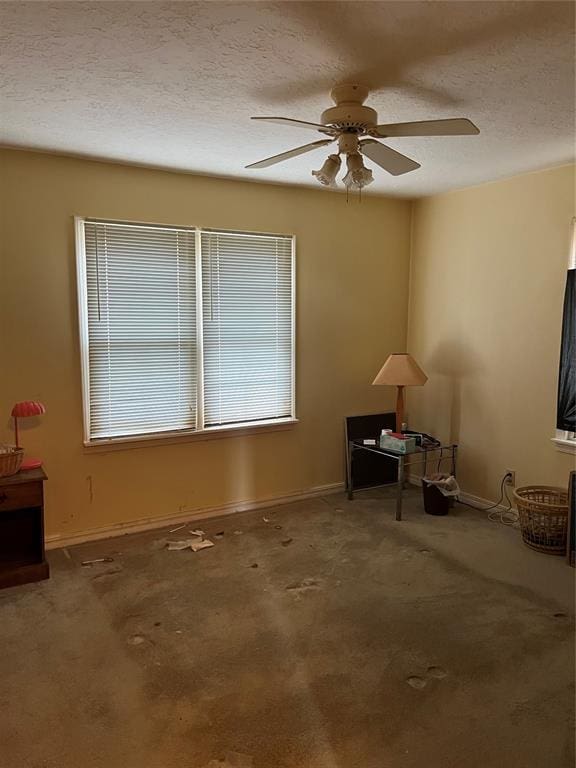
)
(21, 411)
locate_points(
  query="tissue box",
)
(398, 443)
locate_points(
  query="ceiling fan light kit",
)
(355, 127)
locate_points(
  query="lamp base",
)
(31, 464)
(399, 409)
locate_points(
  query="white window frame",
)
(566, 441)
(200, 432)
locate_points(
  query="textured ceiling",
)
(174, 84)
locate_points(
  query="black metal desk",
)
(419, 457)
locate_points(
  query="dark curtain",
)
(566, 414)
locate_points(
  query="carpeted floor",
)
(329, 636)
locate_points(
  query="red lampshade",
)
(21, 411)
(28, 408)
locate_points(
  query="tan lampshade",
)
(401, 370)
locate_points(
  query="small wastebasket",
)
(435, 503)
(439, 492)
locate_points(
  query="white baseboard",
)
(58, 540)
(481, 503)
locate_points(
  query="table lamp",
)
(401, 370)
(21, 411)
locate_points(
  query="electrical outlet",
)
(511, 477)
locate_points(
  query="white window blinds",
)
(141, 307)
(183, 329)
(247, 318)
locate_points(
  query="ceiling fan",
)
(355, 128)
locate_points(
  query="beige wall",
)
(487, 279)
(487, 283)
(352, 290)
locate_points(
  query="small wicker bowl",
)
(543, 513)
(10, 460)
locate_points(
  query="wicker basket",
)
(10, 461)
(543, 513)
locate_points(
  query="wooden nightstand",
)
(22, 557)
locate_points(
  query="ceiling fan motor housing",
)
(349, 114)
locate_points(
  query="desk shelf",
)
(22, 555)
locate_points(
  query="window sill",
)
(174, 438)
(566, 446)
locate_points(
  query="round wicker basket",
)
(543, 514)
(10, 461)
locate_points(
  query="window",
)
(183, 330)
(565, 439)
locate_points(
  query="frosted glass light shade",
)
(327, 174)
(401, 370)
(358, 175)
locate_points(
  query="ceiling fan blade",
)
(299, 124)
(458, 126)
(291, 153)
(387, 158)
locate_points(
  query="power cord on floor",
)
(506, 516)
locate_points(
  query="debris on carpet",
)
(176, 546)
(179, 528)
(232, 760)
(304, 585)
(437, 672)
(199, 544)
(195, 544)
